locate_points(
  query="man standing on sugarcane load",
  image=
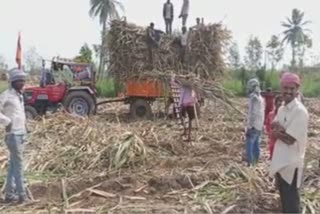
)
(12, 117)
(255, 122)
(151, 42)
(183, 43)
(168, 14)
(184, 12)
(290, 129)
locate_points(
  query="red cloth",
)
(269, 101)
(288, 78)
(272, 140)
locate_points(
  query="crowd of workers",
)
(286, 124)
(153, 35)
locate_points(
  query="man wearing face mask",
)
(255, 120)
(290, 129)
(12, 117)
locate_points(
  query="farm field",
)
(110, 164)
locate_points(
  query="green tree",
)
(234, 56)
(301, 50)
(3, 64)
(33, 60)
(254, 52)
(104, 10)
(275, 51)
(295, 33)
(85, 54)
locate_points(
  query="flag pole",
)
(19, 51)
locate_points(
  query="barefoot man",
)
(189, 107)
(290, 129)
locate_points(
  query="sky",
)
(61, 27)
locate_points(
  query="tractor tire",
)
(31, 113)
(140, 109)
(80, 103)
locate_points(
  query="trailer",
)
(140, 94)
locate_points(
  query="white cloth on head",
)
(286, 159)
(16, 74)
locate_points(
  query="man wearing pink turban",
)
(290, 129)
(286, 77)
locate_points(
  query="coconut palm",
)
(105, 10)
(295, 33)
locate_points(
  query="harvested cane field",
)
(110, 164)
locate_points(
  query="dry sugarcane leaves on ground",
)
(144, 166)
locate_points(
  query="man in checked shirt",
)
(255, 122)
(12, 117)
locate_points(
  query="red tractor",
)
(79, 99)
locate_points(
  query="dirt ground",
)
(68, 167)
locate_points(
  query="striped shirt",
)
(256, 112)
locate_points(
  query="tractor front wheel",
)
(140, 109)
(31, 113)
(80, 103)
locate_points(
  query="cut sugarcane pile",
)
(110, 163)
(128, 51)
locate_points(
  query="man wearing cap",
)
(290, 129)
(255, 120)
(12, 117)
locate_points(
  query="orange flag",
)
(19, 52)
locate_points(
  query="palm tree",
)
(295, 33)
(105, 10)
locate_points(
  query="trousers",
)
(289, 194)
(168, 23)
(253, 139)
(15, 176)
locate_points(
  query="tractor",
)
(78, 99)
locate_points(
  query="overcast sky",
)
(61, 26)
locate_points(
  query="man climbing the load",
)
(255, 122)
(184, 12)
(168, 14)
(189, 107)
(151, 42)
(290, 129)
(13, 118)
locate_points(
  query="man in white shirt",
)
(183, 43)
(168, 13)
(184, 12)
(290, 128)
(255, 120)
(12, 117)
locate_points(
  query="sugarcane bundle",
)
(128, 51)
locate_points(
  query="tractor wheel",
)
(79, 103)
(140, 109)
(31, 113)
